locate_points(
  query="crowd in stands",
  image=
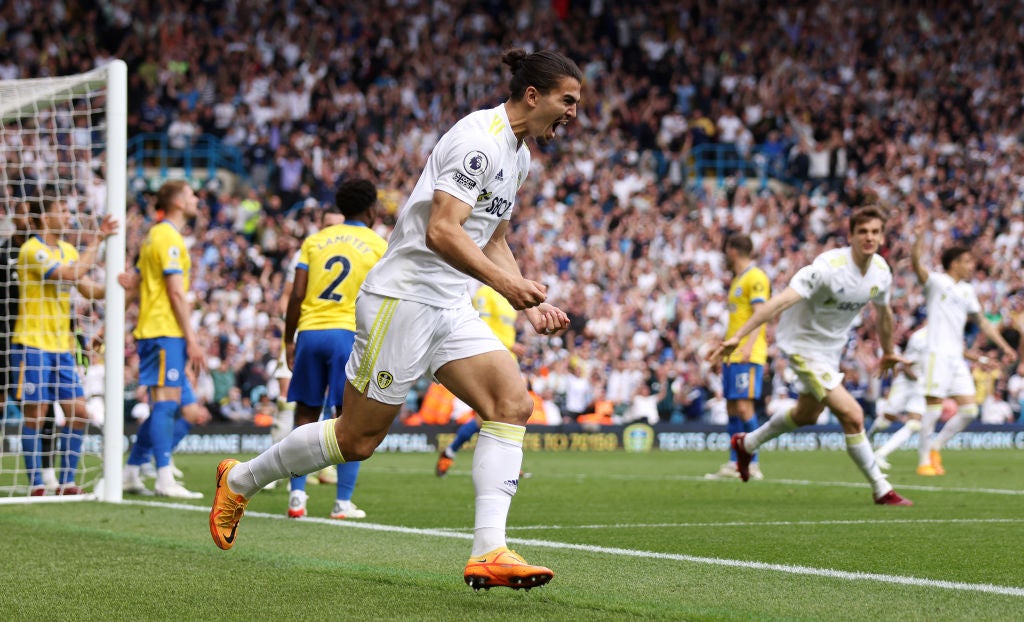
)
(915, 106)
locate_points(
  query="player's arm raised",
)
(917, 251)
(762, 314)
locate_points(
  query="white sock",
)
(164, 477)
(964, 416)
(880, 423)
(932, 413)
(306, 449)
(895, 441)
(779, 424)
(859, 448)
(496, 463)
(132, 473)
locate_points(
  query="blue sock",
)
(72, 453)
(734, 426)
(31, 446)
(748, 427)
(142, 450)
(347, 474)
(464, 433)
(298, 483)
(161, 431)
(181, 430)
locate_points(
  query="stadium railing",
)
(203, 152)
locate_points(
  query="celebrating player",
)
(818, 309)
(414, 315)
(950, 302)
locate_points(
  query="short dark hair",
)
(863, 214)
(953, 253)
(741, 242)
(353, 197)
(542, 70)
(167, 193)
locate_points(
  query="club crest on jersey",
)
(738, 292)
(384, 379)
(475, 163)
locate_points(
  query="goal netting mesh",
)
(61, 139)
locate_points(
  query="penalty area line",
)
(604, 550)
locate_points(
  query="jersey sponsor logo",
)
(384, 379)
(475, 163)
(499, 207)
(463, 181)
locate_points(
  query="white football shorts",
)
(397, 341)
(905, 397)
(815, 375)
(947, 376)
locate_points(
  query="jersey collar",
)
(510, 136)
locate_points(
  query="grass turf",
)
(628, 536)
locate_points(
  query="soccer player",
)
(500, 316)
(44, 352)
(818, 309)
(950, 301)
(9, 249)
(165, 340)
(414, 315)
(320, 322)
(906, 397)
(743, 370)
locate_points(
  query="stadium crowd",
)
(914, 106)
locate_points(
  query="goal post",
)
(66, 138)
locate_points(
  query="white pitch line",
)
(764, 482)
(987, 588)
(940, 521)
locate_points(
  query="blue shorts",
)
(320, 358)
(742, 381)
(45, 377)
(162, 362)
(188, 396)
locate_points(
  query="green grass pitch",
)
(629, 536)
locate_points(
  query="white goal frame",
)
(115, 77)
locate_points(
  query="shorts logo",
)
(29, 388)
(172, 375)
(475, 163)
(384, 379)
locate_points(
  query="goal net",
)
(61, 140)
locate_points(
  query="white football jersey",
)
(948, 304)
(479, 162)
(834, 292)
